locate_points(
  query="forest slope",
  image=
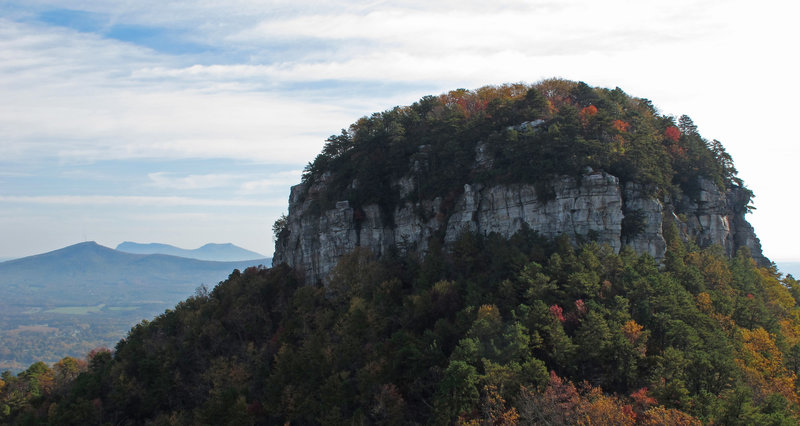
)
(496, 329)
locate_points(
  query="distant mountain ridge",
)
(91, 273)
(214, 252)
(87, 295)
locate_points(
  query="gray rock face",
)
(593, 208)
(597, 207)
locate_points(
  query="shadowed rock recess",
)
(591, 205)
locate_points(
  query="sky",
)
(186, 122)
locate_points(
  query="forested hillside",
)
(487, 329)
(498, 331)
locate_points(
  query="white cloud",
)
(171, 181)
(75, 96)
(241, 184)
(276, 181)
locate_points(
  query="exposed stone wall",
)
(593, 207)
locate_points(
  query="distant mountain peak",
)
(209, 245)
(84, 244)
(223, 252)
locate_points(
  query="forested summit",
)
(559, 157)
(532, 133)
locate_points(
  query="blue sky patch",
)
(78, 20)
(159, 39)
(164, 40)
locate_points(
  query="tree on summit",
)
(687, 126)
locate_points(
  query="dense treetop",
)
(531, 133)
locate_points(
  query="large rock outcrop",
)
(594, 207)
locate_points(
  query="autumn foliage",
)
(563, 403)
(620, 126)
(763, 366)
(588, 112)
(557, 312)
(672, 133)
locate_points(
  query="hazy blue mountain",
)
(215, 252)
(71, 300)
(89, 273)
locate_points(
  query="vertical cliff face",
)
(594, 207)
(589, 208)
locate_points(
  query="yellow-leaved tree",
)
(763, 367)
